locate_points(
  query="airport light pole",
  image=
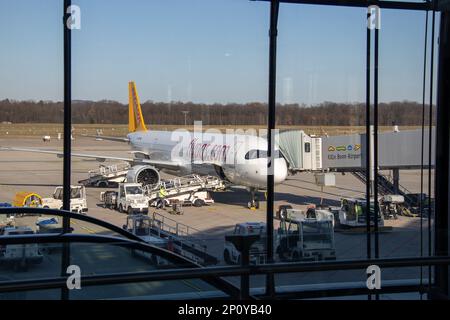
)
(185, 117)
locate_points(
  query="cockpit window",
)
(258, 154)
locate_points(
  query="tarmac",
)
(41, 173)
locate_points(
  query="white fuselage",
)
(241, 158)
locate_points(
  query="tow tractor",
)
(306, 238)
(78, 202)
(257, 251)
(352, 215)
(20, 256)
(129, 198)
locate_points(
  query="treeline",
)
(112, 112)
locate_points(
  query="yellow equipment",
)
(27, 199)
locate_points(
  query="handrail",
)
(129, 240)
(206, 274)
(71, 215)
(209, 274)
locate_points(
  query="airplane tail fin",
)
(135, 118)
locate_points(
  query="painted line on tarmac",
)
(83, 227)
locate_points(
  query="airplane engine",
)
(143, 174)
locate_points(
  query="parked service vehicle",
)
(392, 205)
(257, 251)
(306, 238)
(140, 225)
(20, 256)
(353, 213)
(288, 212)
(132, 199)
(196, 199)
(78, 202)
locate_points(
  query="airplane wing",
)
(162, 164)
(100, 137)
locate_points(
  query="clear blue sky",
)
(205, 51)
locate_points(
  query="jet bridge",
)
(396, 150)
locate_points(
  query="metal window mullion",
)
(273, 32)
(65, 258)
(368, 138)
(375, 142)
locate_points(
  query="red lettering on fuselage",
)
(207, 151)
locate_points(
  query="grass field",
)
(41, 129)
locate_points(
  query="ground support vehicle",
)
(129, 198)
(258, 251)
(19, 256)
(78, 202)
(352, 216)
(190, 190)
(306, 238)
(107, 175)
(140, 225)
(181, 239)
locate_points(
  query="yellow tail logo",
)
(135, 118)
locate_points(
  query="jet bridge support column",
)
(396, 178)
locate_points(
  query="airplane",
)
(240, 159)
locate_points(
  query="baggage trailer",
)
(109, 199)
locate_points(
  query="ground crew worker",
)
(162, 192)
(161, 195)
(358, 210)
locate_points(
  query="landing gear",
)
(254, 202)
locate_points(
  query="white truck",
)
(20, 256)
(130, 198)
(257, 251)
(78, 202)
(307, 236)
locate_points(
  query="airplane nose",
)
(280, 172)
